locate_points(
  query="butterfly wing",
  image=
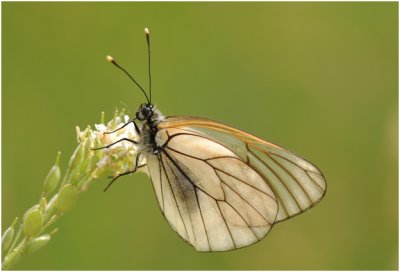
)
(296, 183)
(211, 198)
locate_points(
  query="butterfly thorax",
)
(150, 117)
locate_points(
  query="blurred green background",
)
(317, 78)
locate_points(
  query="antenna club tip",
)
(109, 58)
(146, 31)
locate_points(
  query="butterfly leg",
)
(120, 140)
(127, 173)
(131, 121)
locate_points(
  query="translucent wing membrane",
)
(296, 184)
(209, 195)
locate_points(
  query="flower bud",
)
(67, 198)
(33, 208)
(37, 243)
(77, 157)
(8, 236)
(33, 222)
(53, 178)
(11, 259)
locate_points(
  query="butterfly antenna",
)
(111, 59)
(146, 31)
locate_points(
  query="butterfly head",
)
(144, 112)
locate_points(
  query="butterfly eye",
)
(146, 111)
(143, 112)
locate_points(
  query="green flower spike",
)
(84, 166)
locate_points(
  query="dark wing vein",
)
(185, 199)
(161, 184)
(252, 186)
(241, 216)
(226, 224)
(184, 133)
(195, 190)
(193, 157)
(278, 155)
(316, 183)
(180, 166)
(277, 176)
(176, 202)
(202, 218)
(306, 171)
(222, 157)
(239, 195)
(293, 177)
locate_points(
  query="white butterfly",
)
(219, 188)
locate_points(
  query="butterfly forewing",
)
(211, 197)
(296, 183)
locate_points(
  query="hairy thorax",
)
(149, 129)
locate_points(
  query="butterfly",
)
(219, 188)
